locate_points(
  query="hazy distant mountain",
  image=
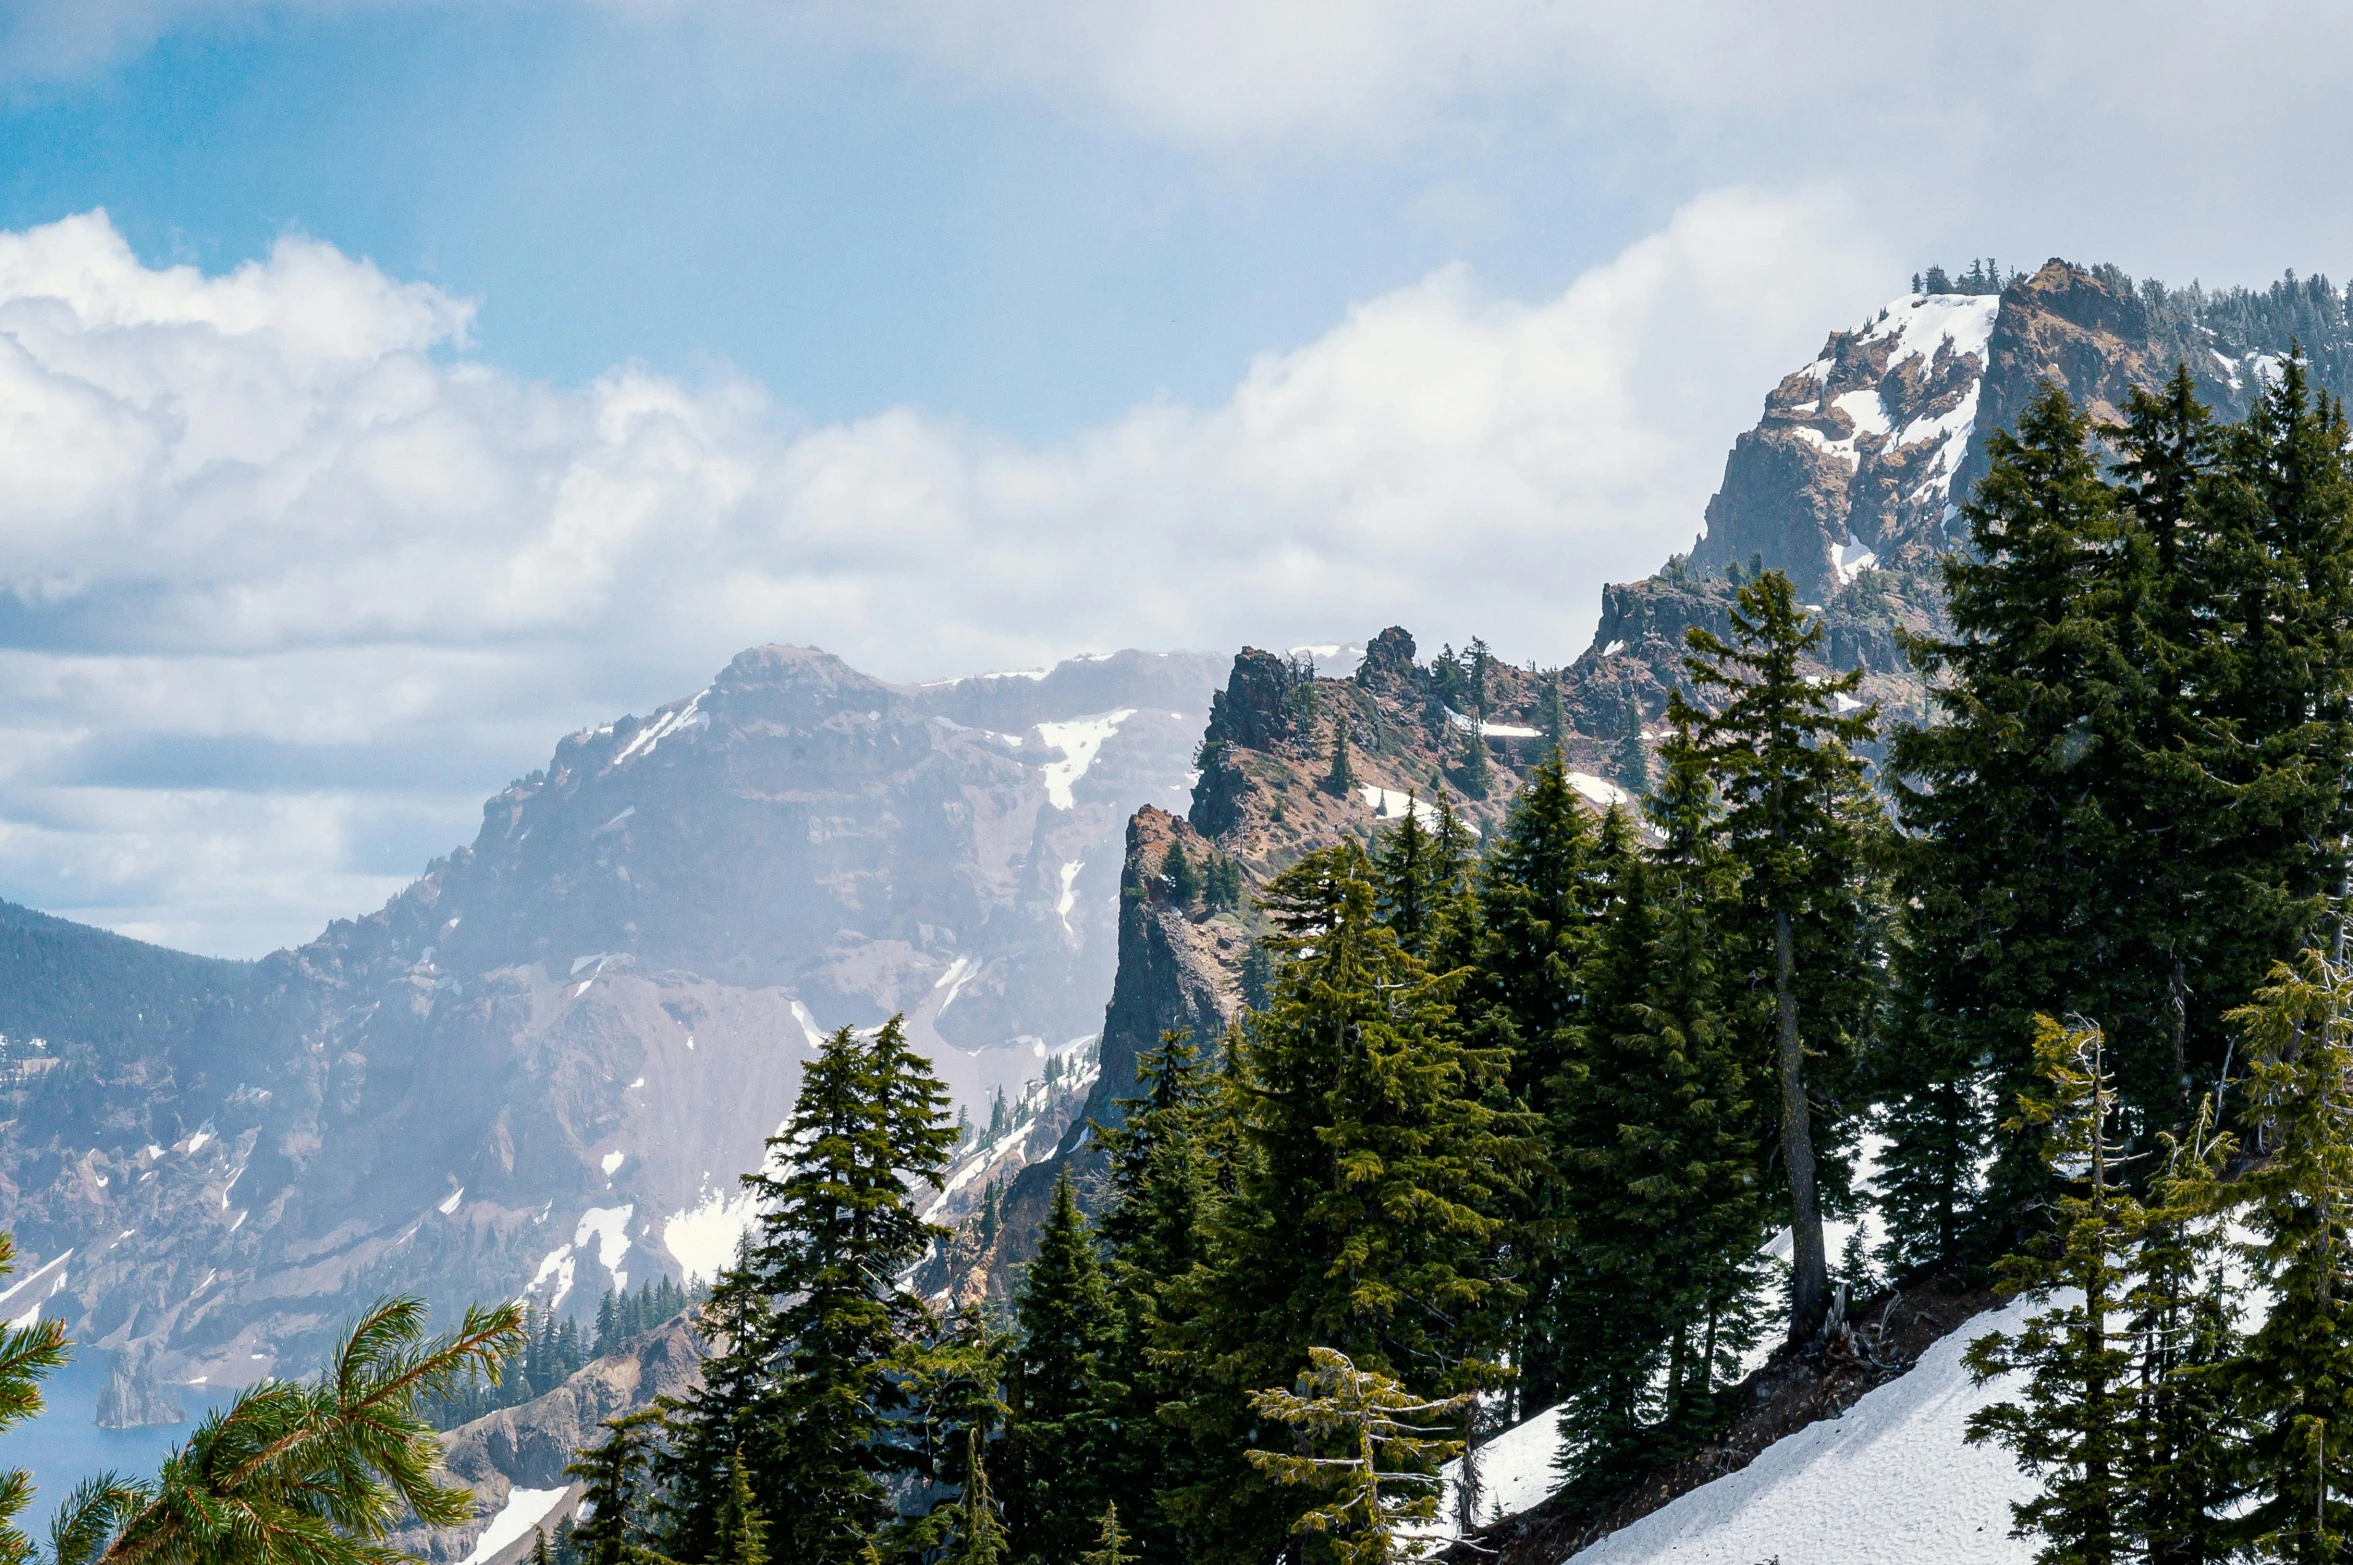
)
(540, 1069)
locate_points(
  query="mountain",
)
(539, 1069)
(1850, 482)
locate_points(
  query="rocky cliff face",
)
(539, 1070)
(1850, 483)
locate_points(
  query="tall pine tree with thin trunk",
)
(1800, 825)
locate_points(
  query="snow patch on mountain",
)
(689, 715)
(524, 1510)
(702, 1239)
(1080, 741)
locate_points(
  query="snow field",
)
(524, 1510)
(1892, 1482)
(1080, 741)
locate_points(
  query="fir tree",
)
(1369, 1176)
(1184, 882)
(1340, 780)
(2072, 1426)
(1476, 775)
(1552, 714)
(1062, 1403)
(612, 1478)
(1800, 826)
(1384, 1443)
(1633, 759)
(743, 1534)
(1111, 1544)
(2181, 1312)
(2293, 1382)
(812, 1381)
(1163, 1188)
(1535, 912)
(1406, 871)
(539, 1554)
(28, 1353)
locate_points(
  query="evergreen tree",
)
(1110, 1543)
(1406, 871)
(2005, 877)
(1369, 1175)
(1802, 828)
(612, 1479)
(1340, 780)
(743, 1533)
(2182, 1314)
(1552, 714)
(1184, 882)
(28, 1353)
(539, 1554)
(1163, 1176)
(1476, 775)
(2074, 1427)
(2293, 1381)
(813, 1388)
(1384, 1446)
(295, 1473)
(1633, 759)
(1536, 904)
(1062, 1404)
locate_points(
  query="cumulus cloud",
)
(292, 579)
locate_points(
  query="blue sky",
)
(389, 386)
(856, 233)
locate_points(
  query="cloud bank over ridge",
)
(292, 580)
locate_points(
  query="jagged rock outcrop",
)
(133, 1398)
(540, 1069)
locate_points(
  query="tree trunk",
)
(1809, 1283)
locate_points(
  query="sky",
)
(389, 387)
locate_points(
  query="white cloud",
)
(285, 564)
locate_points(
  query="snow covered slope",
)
(1891, 1483)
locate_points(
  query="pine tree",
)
(1633, 759)
(1536, 906)
(1061, 1399)
(1801, 826)
(1405, 867)
(1184, 882)
(2181, 1312)
(814, 1385)
(539, 1554)
(1385, 1445)
(2005, 881)
(1476, 775)
(612, 1477)
(1163, 1188)
(2074, 1427)
(2293, 1381)
(1368, 1180)
(296, 1473)
(1110, 1543)
(28, 1353)
(1340, 780)
(743, 1534)
(1552, 714)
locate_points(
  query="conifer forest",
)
(1512, 1123)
